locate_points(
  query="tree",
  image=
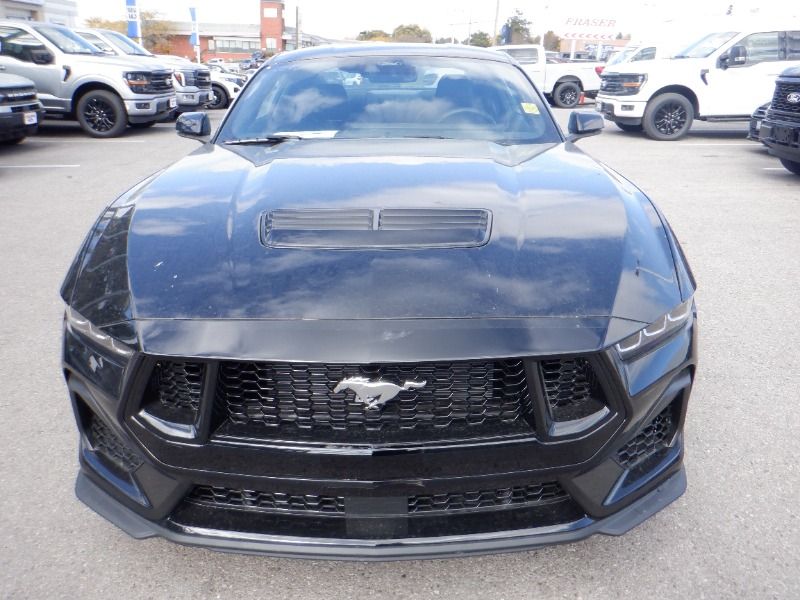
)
(374, 35)
(411, 33)
(552, 41)
(156, 33)
(444, 40)
(519, 29)
(479, 38)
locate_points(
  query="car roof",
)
(390, 49)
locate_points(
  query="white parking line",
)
(719, 144)
(39, 166)
(40, 138)
(773, 169)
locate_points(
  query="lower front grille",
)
(656, 436)
(109, 446)
(571, 388)
(265, 501)
(523, 495)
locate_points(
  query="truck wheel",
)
(102, 114)
(791, 165)
(668, 117)
(567, 94)
(219, 98)
(629, 128)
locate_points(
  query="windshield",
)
(622, 56)
(66, 40)
(127, 45)
(391, 97)
(707, 45)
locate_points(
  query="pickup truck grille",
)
(612, 84)
(203, 79)
(13, 96)
(160, 82)
(780, 100)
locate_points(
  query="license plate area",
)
(30, 118)
(783, 135)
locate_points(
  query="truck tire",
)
(219, 98)
(567, 94)
(101, 114)
(668, 117)
(629, 128)
(791, 165)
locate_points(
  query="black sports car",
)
(388, 320)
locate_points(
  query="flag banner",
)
(134, 28)
(194, 40)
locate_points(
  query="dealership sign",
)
(589, 28)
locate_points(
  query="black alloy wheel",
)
(567, 94)
(668, 117)
(219, 98)
(102, 114)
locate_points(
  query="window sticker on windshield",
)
(530, 108)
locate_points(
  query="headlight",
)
(137, 81)
(634, 81)
(179, 78)
(657, 332)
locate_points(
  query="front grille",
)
(223, 497)
(656, 436)
(780, 100)
(289, 399)
(571, 388)
(523, 495)
(160, 82)
(189, 77)
(17, 95)
(108, 444)
(203, 79)
(178, 385)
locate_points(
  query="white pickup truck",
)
(561, 82)
(724, 76)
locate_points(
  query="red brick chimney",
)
(272, 25)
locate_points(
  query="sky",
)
(444, 18)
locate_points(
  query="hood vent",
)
(389, 228)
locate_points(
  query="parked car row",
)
(20, 109)
(777, 124)
(104, 80)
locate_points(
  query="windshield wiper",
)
(270, 139)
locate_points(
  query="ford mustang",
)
(387, 310)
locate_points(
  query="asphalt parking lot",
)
(735, 533)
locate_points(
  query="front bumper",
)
(151, 489)
(19, 121)
(781, 135)
(146, 109)
(190, 100)
(621, 109)
(376, 550)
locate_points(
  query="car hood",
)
(571, 241)
(140, 63)
(8, 81)
(661, 66)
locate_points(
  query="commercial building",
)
(62, 12)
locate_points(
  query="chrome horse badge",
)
(374, 394)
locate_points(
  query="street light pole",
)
(496, 18)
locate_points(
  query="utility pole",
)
(297, 27)
(496, 19)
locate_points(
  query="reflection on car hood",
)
(569, 237)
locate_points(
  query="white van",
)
(724, 76)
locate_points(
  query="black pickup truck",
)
(20, 109)
(780, 129)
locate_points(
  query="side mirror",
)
(583, 124)
(737, 56)
(194, 125)
(42, 57)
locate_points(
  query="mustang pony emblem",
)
(374, 394)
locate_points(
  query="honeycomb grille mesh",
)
(106, 443)
(571, 388)
(780, 98)
(532, 494)
(653, 438)
(179, 385)
(302, 396)
(265, 501)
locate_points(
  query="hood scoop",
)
(388, 228)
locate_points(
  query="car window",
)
(760, 47)
(66, 40)
(19, 44)
(90, 37)
(707, 45)
(793, 45)
(645, 54)
(524, 56)
(391, 97)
